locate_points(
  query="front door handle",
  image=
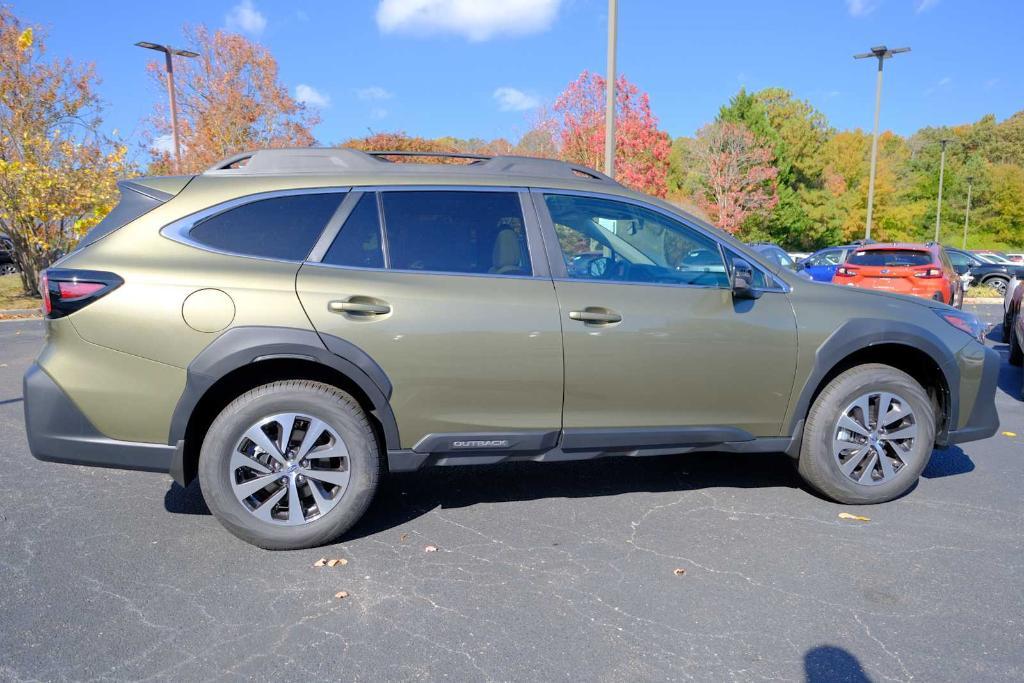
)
(596, 316)
(359, 306)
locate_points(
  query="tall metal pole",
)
(609, 113)
(169, 54)
(174, 111)
(967, 213)
(882, 53)
(874, 150)
(938, 206)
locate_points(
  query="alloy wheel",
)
(289, 469)
(874, 438)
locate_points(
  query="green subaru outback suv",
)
(290, 325)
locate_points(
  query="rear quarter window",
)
(889, 257)
(283, 228)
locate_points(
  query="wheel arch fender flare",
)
(858, 334)
(241, 346)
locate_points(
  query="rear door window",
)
(358, 244)
(889, 257)
(284, 227)
(456, 232)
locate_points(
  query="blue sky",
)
(477, 67)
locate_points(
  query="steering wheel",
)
(601, 268)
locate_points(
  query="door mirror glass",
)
(743, 280)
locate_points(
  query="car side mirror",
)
(743, 280)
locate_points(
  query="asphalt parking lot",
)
(541, 572)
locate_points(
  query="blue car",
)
(823, 264)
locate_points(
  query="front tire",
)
(868, 436)
(997, 283)
(290, 465)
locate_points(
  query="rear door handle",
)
(595, 315)
(357, 307)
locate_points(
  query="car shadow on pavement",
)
(407, 496)
(947, 463)
(831, 663)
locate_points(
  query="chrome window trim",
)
(178, 230)
(781, 285)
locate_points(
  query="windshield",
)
(777, 256)
(889, 257)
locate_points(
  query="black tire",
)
(331, 405)
(1016, 354)
(819, 467)
(997, 283)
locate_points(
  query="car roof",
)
(898, 246)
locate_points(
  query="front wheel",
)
(868, 436)
(290, 465)
(998, 284)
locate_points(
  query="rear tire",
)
(997, 283)
(878, 466)
(1016, 353)
(255, 465)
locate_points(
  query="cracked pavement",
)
(556, 571)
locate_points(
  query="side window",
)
(958, 258)
(280, 227)
(358, 242)
(944, 257)
(456, 232)
(602, 239)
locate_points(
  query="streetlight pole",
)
(967, 213)
(938, 206)
(609, 111)
(882, 53)
(169, 53)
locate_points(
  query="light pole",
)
(169, 53)
(882, 53)
(938, 206)
(609, 105)
(967, 213)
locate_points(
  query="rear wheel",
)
(868, 436)
(997, 283)
(8, 269)
(290, 465)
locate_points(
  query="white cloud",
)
(307, 94)
(378, 112)
(373, 93)
(942, 84)
(476, 20)
(245, 17)
(512, 99)
(945, 80)
(860, 8)
(163, 144)
(925, 5)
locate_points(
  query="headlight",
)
(965, 322)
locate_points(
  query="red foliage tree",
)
(737, 177)
(576, 123)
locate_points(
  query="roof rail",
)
(341, 160)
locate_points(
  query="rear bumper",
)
(59, 432)
(984, 420)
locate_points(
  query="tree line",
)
(769, 167)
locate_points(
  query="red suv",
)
(922, 270)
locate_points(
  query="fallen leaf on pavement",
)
(430, 549)
(335, 563)
(321, 562)
(1009, 433)
(341, 595)
(678, 571)
(403, 537)
(856, 518)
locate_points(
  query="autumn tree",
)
(399, 141)
(576, 122)
(737, 178)
(57, 172)
(230, 100)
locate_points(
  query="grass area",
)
(13, 296)
(982, 292)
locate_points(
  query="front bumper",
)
(984, 420)
(59, 432)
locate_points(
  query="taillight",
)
(843, 271)
(66, 290)
(929, 273)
